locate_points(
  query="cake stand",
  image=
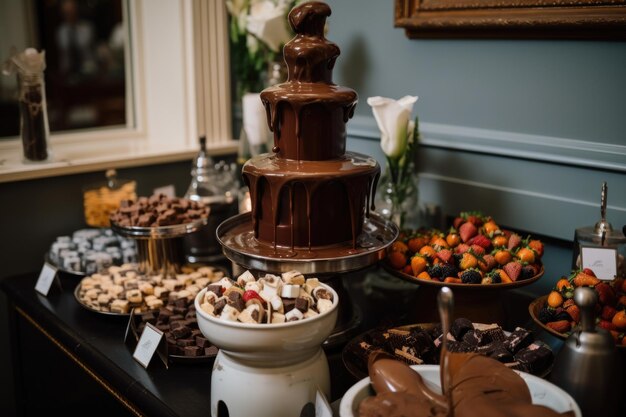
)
(160, 248)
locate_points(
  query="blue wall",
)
(523, 130)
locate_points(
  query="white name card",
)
(322, 408)
(46, 278)
(168, 190)
(147, 345)
(602, 261)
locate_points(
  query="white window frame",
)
(180, 89)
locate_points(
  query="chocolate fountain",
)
(311, 212)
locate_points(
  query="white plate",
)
(542, 392)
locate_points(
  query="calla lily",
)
(392, 117)
(267, 22)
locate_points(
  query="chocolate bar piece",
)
(185, 342)
(180, 332)
(501, 354)
(210, 351)
(288, 304)
(203, 342)
(518, 340)
(302, 304)
(192, 351)
(535, 358)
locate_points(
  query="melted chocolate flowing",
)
(310, 193)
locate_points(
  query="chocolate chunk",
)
(180, 332)
(302, 304)
(203, 342)
(148, 318)
(460, 327)
(288, 304)
(501, 355)
(491, 333)
(472, 338)
(176, 317)
(238, 303)
(219, 306)
(196, 333)
(215, 288)
(185, 342)
(535, 358)
(180, 310)
(192, 323)
(190, 314)
(210, 351)
(176, 324)
(164, 315)
(163, 327)
(181, 303)
(518, 340)
(192, 351)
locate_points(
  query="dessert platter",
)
(87, 251)
(475, 257)
(464, 384)
(118, 290)
(158, 224)
(420, 344)
(557, 313)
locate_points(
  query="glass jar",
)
(34, 128)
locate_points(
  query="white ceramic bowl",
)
(269, 344)
(541, 391)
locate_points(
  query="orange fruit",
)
(397, 260)
(418, 264)
(526, 255)
(428, 251)
(468, 261)
(499, 240)
(453, 239)
(503, 257)
(619, 319)
(555, 299)
(441, 242)
(416, 243)
(563, 283)
(407, 269)
(423, 275)
(490, 227)
(399, 246)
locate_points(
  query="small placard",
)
(47, 276)
(322, 408)
(148, 343)
(602, 261)
(168, 190)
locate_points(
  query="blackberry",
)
(527, 272)
(471, 276)
(448, 270)
(562, 315)
(436, 271)
(546, 315)
(495, 277)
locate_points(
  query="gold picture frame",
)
(529, 19)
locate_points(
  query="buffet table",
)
(68, 357)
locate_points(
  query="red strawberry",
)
(458, 221)
(605, 324)
(478, 250)
(467, 231)
(445, 255)
(250, 294)
(560, 326)
(606, 295)
(488, 263)
(462, 248)
(481, 240)
(475, 220)
(589, 271)
(513, 270)
(607, 313)
(514, 241)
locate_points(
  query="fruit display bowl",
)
(277, 344)
(481, 303)
(535, 307)
(541, 391)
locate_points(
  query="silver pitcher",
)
(588, 366)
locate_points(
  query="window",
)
(176, 88)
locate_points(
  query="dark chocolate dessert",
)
(309, 192)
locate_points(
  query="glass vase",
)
(398, 201)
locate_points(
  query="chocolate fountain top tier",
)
(308, 113)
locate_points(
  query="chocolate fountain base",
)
(236, 235)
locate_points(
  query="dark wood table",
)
(74, 361)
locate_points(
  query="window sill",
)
(74, 158)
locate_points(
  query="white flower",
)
(392, 117)
(268, 23)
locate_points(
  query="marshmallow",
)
(310, 313)
(277, 304)
(210, 297)
(120, 306)
(229, 313)
(293, 277)
(226, 283)
(294, 314)
(290, 291)
(323, 305)
(244, 278)
(310, 284)
(322, 293)
(254, 286)
(278, 318)
(208, 308)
